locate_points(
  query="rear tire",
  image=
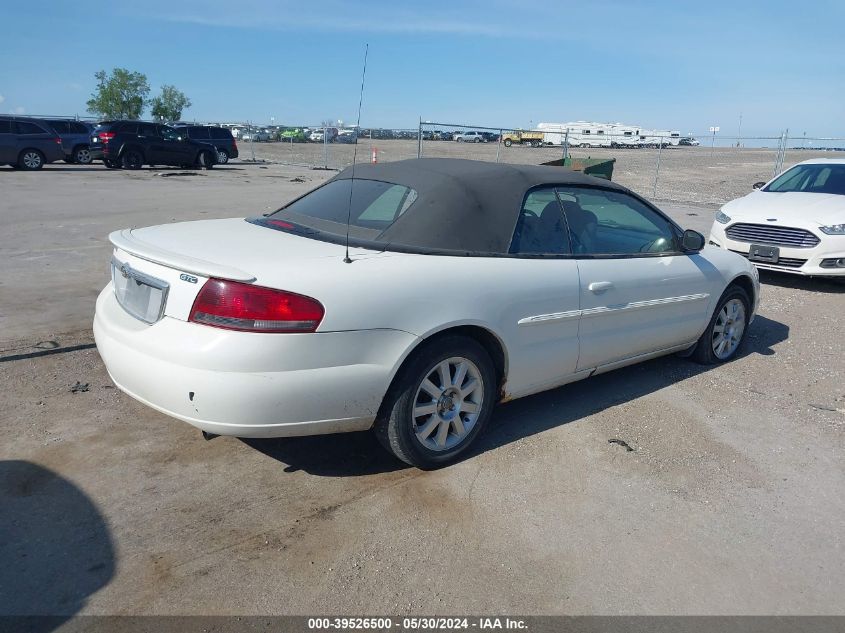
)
(428, 422)
(31, 159)
(132, 159)
(222, 156)
(508, 142)
(727, 329)
(205, 160)
(82, 156)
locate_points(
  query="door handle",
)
(600, 286)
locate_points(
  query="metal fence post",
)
(657, 169)
(251, 139)
(566, 145)
(498, 146)
(326, 146)
(419, 140)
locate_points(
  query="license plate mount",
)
(762, 253)
(141, 295)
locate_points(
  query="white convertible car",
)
(466, 284)
(793, 224)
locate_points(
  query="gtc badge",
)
(189, 278)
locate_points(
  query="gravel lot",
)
(695, 175)
(729, 503)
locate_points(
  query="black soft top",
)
(463, 205)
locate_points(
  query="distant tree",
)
(169, 104)
(121, 95)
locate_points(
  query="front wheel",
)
(440, 401)
(726, 330)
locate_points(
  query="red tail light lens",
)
(58, 140)
(105, 137)
(237, 306)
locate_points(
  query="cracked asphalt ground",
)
(729, 503)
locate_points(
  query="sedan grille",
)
(774, 235)
(786, 262)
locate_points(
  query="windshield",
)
(375, 206)
(812, 178)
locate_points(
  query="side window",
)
(541, 227)
(27, 127)
(5, 126)
(614, 223)
(220, 133)
(128, 128)
(148, 130)
(61, 127)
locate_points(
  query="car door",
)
(544, 304)
(180, 149)
(638, 292)
(152, 143)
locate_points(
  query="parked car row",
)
(30, 143)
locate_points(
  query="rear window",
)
(61, 127)
(375, 206)
(127, 128)
(220, 133)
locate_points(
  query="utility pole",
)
(739, 134)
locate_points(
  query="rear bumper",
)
(795, 261)
(247, 384)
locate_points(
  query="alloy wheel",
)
(448, 403)
(728, 329)
(31, 160)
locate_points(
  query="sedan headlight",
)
(833, 229)
(722, 218)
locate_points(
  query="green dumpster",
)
(598, 167)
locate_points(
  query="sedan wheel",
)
(439, 403)
(31, 159)
(726, 330)
(82, 155)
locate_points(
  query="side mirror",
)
(757, 185)
(692, 241)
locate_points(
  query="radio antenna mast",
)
(347, 260)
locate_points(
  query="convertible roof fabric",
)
(463, 205)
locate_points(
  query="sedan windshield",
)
(812, 178)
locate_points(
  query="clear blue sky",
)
(675, 64)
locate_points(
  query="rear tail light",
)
(234, 144)
(105, 137)
(237, 306)
(58, 140)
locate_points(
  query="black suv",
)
(28, 143)
(220, 137)
(133, 144)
